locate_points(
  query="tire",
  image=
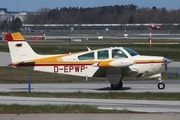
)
(161, 85)
(117, 86)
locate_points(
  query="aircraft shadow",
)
(110, 89)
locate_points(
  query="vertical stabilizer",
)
(20, 50)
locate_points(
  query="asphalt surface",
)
(5, 59)
(172, 86)
(152, 106)
(89, 116)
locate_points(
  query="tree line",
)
(14, 25)
(117, 14)
(124, 14)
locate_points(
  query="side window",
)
(88, 56)
(103, 54)
(116, 53)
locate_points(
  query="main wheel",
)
(117, 86)
(161, 85)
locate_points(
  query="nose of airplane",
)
(167, 60)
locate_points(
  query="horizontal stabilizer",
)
(23, 63)
(30, 61)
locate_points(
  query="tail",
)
(19, 49)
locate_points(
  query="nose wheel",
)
(161, 85)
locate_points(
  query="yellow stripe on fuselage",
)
(58, 60)
(50, 60)
(149, 61)
(105, 63)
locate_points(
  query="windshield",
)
(130, 51)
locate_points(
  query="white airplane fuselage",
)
(138, 66)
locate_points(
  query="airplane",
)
(114, 63)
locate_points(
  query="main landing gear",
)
(117, 86)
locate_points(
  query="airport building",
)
(10, 15)
(3, 14)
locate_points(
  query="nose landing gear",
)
(161, 85)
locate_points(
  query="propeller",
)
(166, 61)
(165, 56)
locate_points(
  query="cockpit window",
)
(103, 54)
(116, 53)
(130, 51)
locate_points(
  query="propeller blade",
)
(166, 67)
(165, 61)
(166, 70)
(165, 55)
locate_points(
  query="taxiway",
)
(172, 86)
(119, 104)
(133, 105)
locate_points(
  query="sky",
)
(35, 5)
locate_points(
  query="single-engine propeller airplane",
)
(114, 63)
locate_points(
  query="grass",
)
(24, 109)
(109, 95)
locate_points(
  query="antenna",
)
(87, 47)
